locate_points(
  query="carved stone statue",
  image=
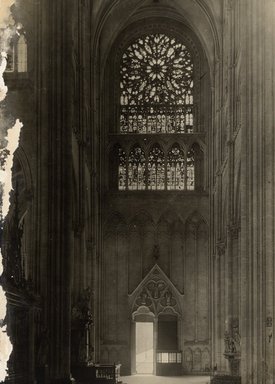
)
(143, 296)
(229, 344)
(82, 320)
(168, 297)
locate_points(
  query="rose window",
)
(156, 86)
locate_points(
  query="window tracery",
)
(155, 94)
(175, 169)
(17, 54)
(121, 169)
(190, 169)
(156, 86)
(156, 169)
(136, 169)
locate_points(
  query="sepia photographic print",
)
(137, 191)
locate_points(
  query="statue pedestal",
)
(234, 370)
(225, 379)
(234, 363)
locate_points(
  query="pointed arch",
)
(117, 168)
(197, 360)
(193, 221)
(22, 54)
(23, 162)
(156, 168)
(136, 168)
(175, 168)
(143, 219)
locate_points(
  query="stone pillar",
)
(57, 120)
(258, 188)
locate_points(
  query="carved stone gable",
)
(157, 293)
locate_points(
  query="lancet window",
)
(175, 169)
(17, 53)
(136, 169)
(156, 170)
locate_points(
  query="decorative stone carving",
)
(232, 350)
(82, 320)
(229, 344)
(156, 289)
(269, 322)
(156, 292)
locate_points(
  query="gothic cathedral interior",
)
(141, 229)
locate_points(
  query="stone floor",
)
(145, 379)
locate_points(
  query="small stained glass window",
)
(156, 86)
(136, 169)
(190, 170)
(175, 169)
(122, 174)
(156, 169)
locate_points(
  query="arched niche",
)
(157, 300)
(201, 17)
(143, 314)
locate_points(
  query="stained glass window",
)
(190, 170)
(156, 169)
(175, 169)
(156, 91)
(156, 86)
(136, 169)
(122, 174)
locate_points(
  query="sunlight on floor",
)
(150, 379)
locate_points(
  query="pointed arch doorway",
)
(143, 342)
(156, 326)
